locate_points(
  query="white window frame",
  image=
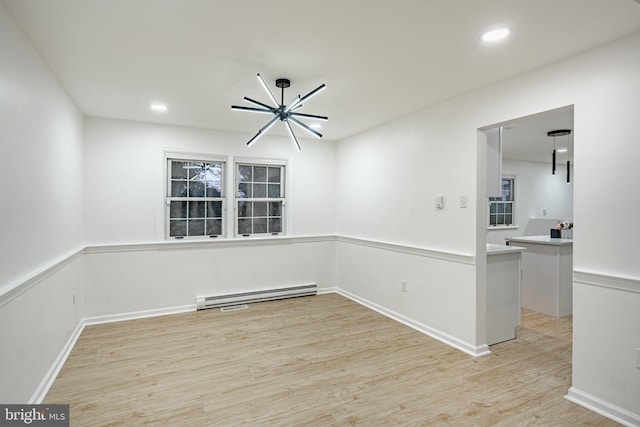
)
(194, 157)
(512, 202)
(229, 195)
(235, 199)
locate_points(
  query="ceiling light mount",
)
(559, 132)
(283, 112)
(282, 83)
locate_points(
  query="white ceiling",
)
(379, 59)
(526, 138)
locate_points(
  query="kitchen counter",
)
(493, 249)
(541, 240)
(547, 268)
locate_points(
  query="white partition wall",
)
(390, 176)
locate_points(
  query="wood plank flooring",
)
(314, 361)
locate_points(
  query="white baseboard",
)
(476, 351)
(46, 383)
(110, 318)
(330, 290)
(603, 408)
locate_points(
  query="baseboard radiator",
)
(256, 296)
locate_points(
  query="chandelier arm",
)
(253, 109)
(293, 135)
(307, 96)
(253, 101)
(310, 116)
(305, 127)
(266, 88)
(295, 103)
(263, 129)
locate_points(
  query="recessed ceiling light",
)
(158, 107)
(496, 34)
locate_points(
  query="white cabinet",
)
(503, 292)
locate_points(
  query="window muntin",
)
(195, 198)
(260, 199)
(502, 209)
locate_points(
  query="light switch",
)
(439, 202)
(463, 201)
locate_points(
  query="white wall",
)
(125, 179)
(390, 175)
(537, 190)
(124, 202)
(41, 215)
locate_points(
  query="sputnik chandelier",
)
(285, 113)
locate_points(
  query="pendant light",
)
(553, 134)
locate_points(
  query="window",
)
(260, 199)
(501, 209)
(195, 198)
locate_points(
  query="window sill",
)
(503, 227)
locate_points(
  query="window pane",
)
(178, 210)
(196, 210)
(244, 190)
(196, 170)
(214, 209)
(196, 227)
(179, 189)
(244, 209)
(493, 208)
(507, 207)
(275, 208)
(260, 209)
(244, 174)
(274, 190)
(244, 226)
(178, 170)
(508, 219)
(212, 172)
(214, 227)
(275, 225)
(259, 174)
(196, 189)
(500, 207)
(259, 190)
(274, 174)
(260, 225)
(493, 220)
(214, 189)
(177, 228)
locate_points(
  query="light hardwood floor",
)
(321, 360)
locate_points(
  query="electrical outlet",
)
(440, 202)
(403, 286)
(463, 200)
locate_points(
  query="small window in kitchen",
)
(502, 209)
